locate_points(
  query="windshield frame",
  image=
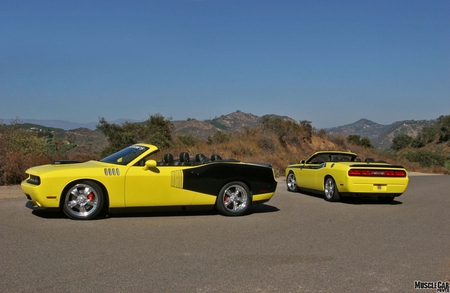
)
(126, 155)
(327, 157)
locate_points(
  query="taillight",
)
(376, 173)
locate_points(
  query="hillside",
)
(233, 122)
(230, 123)
(278, 142)
(381, 135)
(86, 141)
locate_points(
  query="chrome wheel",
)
(233, 199)
(83, 201)
(330, 190)
(291, 182)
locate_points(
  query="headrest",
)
(184, 157)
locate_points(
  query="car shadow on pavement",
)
(49, 214)
(368, 201)
(178, 212)
(354, 200)
(158, 212)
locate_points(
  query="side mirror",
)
(150, 164)
(302, 162)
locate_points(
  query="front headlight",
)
(33, 179)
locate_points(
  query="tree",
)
(443, 123)
(307, 129)
(427, 135)
(19, 149)
(288, 131)
(401, 141)
(365, 142)
(356, 139)
(156, 130)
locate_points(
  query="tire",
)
(291, 182)
(83, 201)
(330, 190)
(386, 199)
(233, 199)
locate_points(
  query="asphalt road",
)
(294, 243)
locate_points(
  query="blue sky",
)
(329, 62)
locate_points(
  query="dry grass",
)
(259, 146)
(253, 145)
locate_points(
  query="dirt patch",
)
(421, 174)
(11, 191)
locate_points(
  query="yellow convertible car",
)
(335, 174)
(133, 178)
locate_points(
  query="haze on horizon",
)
(329, 62)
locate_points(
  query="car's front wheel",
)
(330, 190)
(233, 199)
(83, 201)
(291, 182)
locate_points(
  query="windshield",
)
(332, 157)
(125, 156)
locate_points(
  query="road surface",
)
(294, 243)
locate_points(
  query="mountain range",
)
(380, 135)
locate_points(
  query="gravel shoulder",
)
(11, 191)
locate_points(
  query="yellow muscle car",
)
(336, 173)
(133, 178)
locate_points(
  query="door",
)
(159, 186)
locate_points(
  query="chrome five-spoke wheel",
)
(234, 199)
(330, 190)
(291, 182)
(83, 201)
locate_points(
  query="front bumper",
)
(40, 197)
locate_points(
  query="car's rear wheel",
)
(233, 199)
(83, 201)
(330, 190)
(291, 182)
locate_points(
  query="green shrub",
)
(188, 140)
(447, 165)
(219, 137)
(426, 158)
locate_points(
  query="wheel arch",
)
(291, 187)
(72, 183)
(328, 175)
(296, 171)
(246, 182)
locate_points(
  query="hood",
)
(71, 167)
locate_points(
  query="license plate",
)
(379, 187)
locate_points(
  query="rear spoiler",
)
(376, 165)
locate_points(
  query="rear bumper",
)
(373, 186)
(373, 195)
(261, 198)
